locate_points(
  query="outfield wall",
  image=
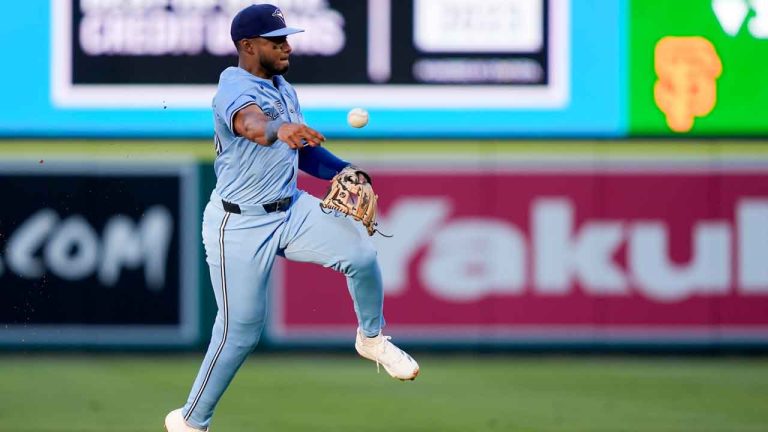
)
(495, 244)
(424, 68)
(556, 250)
(99, 253)
(149, 69)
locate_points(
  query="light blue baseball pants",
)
(241, 250)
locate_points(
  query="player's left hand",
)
(351, 193)
(362, 176)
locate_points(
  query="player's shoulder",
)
(234, 78)
(234, 82)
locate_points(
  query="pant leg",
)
(240, 253)
(340, 243)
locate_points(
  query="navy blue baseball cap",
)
(264, 20)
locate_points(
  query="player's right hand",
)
(298, 135)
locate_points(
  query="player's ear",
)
(245, 45)
(252, 45)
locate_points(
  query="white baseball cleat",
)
(174, 422)
(395, 361)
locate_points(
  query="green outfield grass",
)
(203, 149)
(314, 392)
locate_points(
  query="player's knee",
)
(247, 342)
(360, 258)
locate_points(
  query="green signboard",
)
(698, 67)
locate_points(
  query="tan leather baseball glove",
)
(350, 195)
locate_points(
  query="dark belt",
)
(279, 205)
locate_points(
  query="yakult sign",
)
(563, 256)
(604, 252)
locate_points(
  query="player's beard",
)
(272, 69)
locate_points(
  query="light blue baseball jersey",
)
(248, 173)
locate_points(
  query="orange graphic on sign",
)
(688, 68)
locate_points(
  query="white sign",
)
(490, 26)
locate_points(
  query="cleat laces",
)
(384, 340)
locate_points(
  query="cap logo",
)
(277, 13)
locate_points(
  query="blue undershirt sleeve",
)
(319, 162)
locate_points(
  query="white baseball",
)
(357, 117)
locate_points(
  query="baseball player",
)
(256, 212)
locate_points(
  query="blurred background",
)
(578, 192)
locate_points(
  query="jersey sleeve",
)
(227, 107)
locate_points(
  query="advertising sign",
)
(555, 252)
(377, 53)
(97, 255)
(696, 67)
(422, 68)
